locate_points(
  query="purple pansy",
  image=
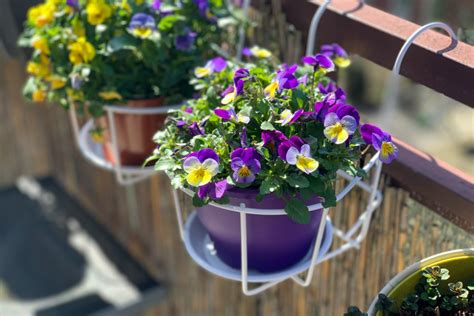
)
(73, 3)
(246, 51)
(344, 109)
(227, 90)
(245, 162)
(185, 41)
(294, 141)
(213, 190)
(273, 139)
(156, 5)
(204, 154)
(180, 123)
(331, 50)
(382, 141)
(287, 117)
(195, 129)
(142, 25)
(239, 81)
(230, 115)
(213, 65)
(319, 61)
(338, 129)
(284, 79)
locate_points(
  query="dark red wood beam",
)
(435, 184)
(433, 60)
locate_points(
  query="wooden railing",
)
(434, 61)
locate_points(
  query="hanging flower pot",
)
(442, 284)
(259, 151)
(134, 131)
(93, 54)
(274, 242)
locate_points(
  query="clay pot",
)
(134, 133)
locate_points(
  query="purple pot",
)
(274, 242)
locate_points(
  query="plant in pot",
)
(268, 139)
(439, 285)
(138, 53)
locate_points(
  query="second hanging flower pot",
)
(134, 133)
(273, 242)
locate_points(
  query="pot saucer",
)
(201, 249)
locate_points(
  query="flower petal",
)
(291, 155)
(191, 163)
(211, 166)
(331, 119)
(349, 123)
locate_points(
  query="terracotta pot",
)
(134, 133)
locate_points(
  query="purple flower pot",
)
(274, 242)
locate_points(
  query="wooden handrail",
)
(433, 60)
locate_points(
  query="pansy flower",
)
(73, 4)
(382, 141)
(284, 79)
(245, 164)
(213, 190)
(195, 129)
(337, 53)
(201, 166)
(296, 152)
(259, 52)
(239, 80)
(230, 115)
(287, 117)
(338, 130)
(273, 139)
(142, 25)
(214, 65)
(319, 61)
(156, 5)
(185, 41)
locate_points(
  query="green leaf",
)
(164, 164)
(297, 181)
(297, 211)
(329, 199)
(168, 22)
(267, 126)
(269, 185)
(197, 202)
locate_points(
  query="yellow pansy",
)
(336, 133)
(39, 95)
(110, 95)
(57, 82)
(302, 159)
(42, 14)
(200, 174)
(40, 69)
(229, 97)
(98, 11)
(40, 44)
(342, 62)
(81, 51)
(74, 95)
(271, 89)
(201, 72)
(260, 52)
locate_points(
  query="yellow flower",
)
(342, 62)
(98, 11)
(202, 72)
(81, 51)
(260, 52)
(57, 82)
(200, 174)
(40, 69)
(41, 44)
(78, 28)
(110, 95)
(229, 97)
(42, 14)
(39, 96)
(271, 89)
(74, 95)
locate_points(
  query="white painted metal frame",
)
(127, 175)
(352, 237)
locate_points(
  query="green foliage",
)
(430, 298)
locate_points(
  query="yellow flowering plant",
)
(102, 51)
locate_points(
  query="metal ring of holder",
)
(127, 175)
(392, 89)
(352, 237)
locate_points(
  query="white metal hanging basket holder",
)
(93, 152)
(201, 250)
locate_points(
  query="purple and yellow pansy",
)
(201, 166)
